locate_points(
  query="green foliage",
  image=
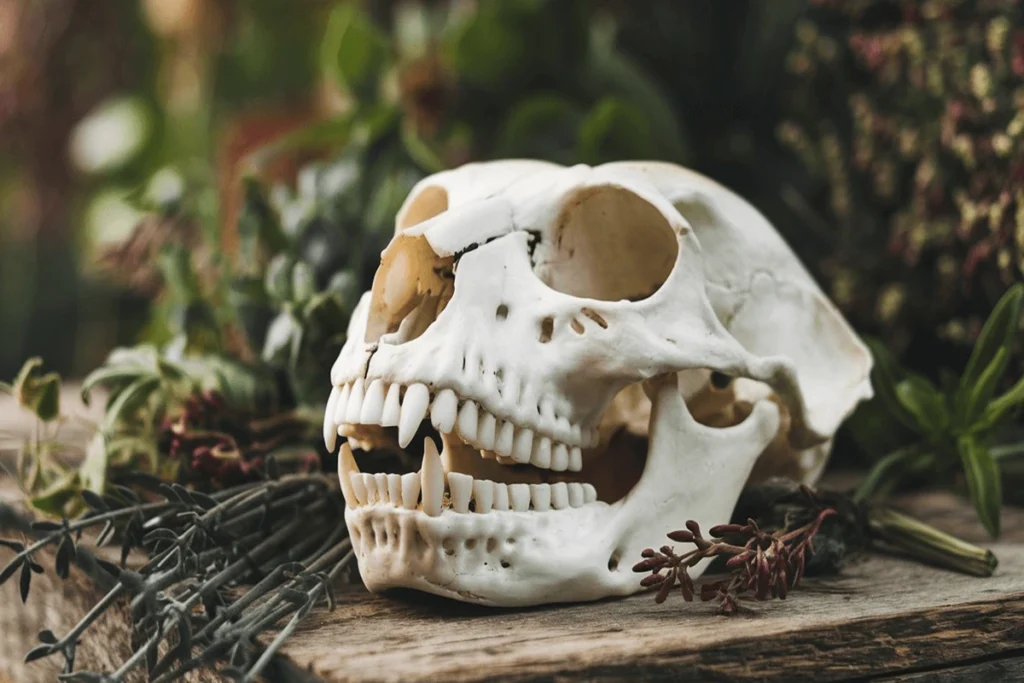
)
(35, 391)
(354, 50)
(953, 426)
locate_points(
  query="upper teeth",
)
(372, 402)
(426, 489)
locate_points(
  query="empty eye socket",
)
(609, 244)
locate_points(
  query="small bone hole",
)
(470, 543)
(449, 546)
(492, 544)
(577, 326)
(505, 564)
(511, 541)
(720, 380)
(595, 316)
(502, 312)
(547, 328)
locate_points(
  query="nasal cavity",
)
(410, 289)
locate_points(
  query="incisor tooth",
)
(414, 409)
(559, 495)
(373, 403)
(355, 402)
(342, 405)
(444, 411)
(559, 457)
(589, 493)
(540, 494)
(461, 487)
(506, 433)
(468, 421)
(358, 487)
(431, 479)
(330, 426)
(519, 497)
(575, 494)
(522, 445)
(575, 459)
(483, 495)
(485, 435)
(346, 468)
(392, 407)
(410, 490)
(541, 456)
(395, 489)
(381, 480)
(500, 496)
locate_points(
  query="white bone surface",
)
(514, 304)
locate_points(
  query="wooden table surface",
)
(884, 618)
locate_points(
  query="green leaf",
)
(976, 398)
(925, 403)
(303, 285)
(543, 126)
(354, 50)
(41, 395)
(128, 401)
(258, 227)
(491, 51)
(1002, 405)
(614, 129)
(420, 151)
(999, 332)
(983, 482)
(55, 498)
(885, 375)
(885, 473)
(112, 375)
(278, 280)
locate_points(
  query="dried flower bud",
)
(722, 529)
(686, 583)
(663, 592)
(652, 580)
(681, 536)
(693, 526)
(652, 563)
(647, 552)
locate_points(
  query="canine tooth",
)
(410, 490)
(359, 487)
(589, 493)
(346, 468)
(342, 405)
(541, 453)
(575, 435)
(461, 487)
(414, 409)
(355, 402)
(330, 426)
(559, 457)
(575, 459)
(540, 494)
(485, 435)
(468, 417)
(383, 490)
(500, 496)
(483, 495)
(519, 496)
(392, 407)
(506, 433)
(444, 411)
(395, 489)
(522, 445)
(431, 478)
(560, 495)
(373, 403)
(575, 494)
(547, 416)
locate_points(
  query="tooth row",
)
(371, 402)
(427, 488)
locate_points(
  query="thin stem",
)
(928, 544)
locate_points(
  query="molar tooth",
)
(506, 433)
(559, 457)
(467, 421)
(330, 426)
(483, 495)
(373, 403)
(346, 468)
(342, 405)
(395, 489)
(559, 495)
(589, 493)
(381, 479)
(359, 488)
(519, 496)
(485, 435)
(414, 409)
(500, 496)
(540, 494)
(575, 459)
(355, 403)
(541, 453)
(370, 484)
(522, 445)
(575, 494)
(431, 478)
(392, 407)
(444, 411)
(461, 487)
(410, 490)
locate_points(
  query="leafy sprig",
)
(953, 426)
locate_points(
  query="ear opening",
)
(609, 244)
(420, 206)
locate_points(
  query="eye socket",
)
(609, 244)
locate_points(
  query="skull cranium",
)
(549, 321)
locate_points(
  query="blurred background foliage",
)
(219, 176)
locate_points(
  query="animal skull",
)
(549, 321)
